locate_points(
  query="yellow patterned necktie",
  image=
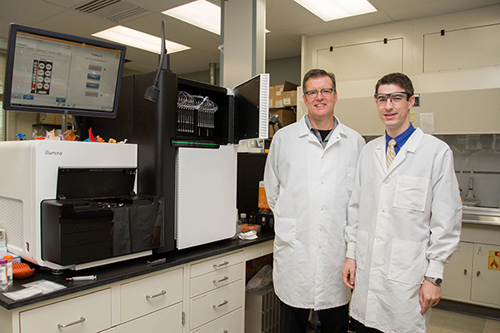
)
(391, 153)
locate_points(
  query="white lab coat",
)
(308, 189)
(404, 224)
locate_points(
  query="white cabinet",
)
(144, 296)
(457, 277)
(217, 290)
(202, 296)
(84, 314)
(472, 275)
(229, 323)
(486, 274)
(165, 320)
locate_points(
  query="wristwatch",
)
(435, 281)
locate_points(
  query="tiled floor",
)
(443, 321)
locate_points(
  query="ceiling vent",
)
(113, 10)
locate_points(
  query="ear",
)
(304, 98)
(411, 101)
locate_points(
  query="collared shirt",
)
(400, 139)
(316, 132)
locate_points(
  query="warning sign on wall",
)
(494, 260)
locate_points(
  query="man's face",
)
(395, 115)
(320, 107)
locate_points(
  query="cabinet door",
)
(84, 314)
(458, 273)
(216, 303)
(230, 323)
(165, 320)
(486, 279)
(150, 294)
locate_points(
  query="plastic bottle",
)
(10, 276)
(242, 220)
(4, 283)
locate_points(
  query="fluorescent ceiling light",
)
(329, 10)
(200, 13)
(137, 39)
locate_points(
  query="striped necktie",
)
(391, 153)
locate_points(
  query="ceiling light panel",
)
(137, 39)
(200, 13)
(329, 10)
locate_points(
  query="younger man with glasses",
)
(308, 178)
(404, 219)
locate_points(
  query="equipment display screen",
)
(58, 73)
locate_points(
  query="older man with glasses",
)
(404, 219)
(308, 178)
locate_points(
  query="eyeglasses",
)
(313, 93)
(396, 97)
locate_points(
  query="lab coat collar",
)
(409, 147)
(337, 134)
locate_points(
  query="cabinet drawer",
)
(84, 314)
(164, 320)
(216, 303)
(216, 264)
(230, 323)
(216, 279)
(150, 294)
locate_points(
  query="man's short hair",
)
(399, 79)
(317, 73)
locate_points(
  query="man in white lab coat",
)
(308, 178)
(404, 219)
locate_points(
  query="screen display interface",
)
(56, 73)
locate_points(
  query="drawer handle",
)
(163, 292)
(221, 304)
(221, 280)
(71, 324)
(225, 331)
(478, 273)
(221, 265)
(465, 271)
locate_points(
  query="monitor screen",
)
(58, 73)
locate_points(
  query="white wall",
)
(457, 75)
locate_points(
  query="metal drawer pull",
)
(163, 292)
(221, 280)
(478, 273)
(220, 265)
(465, 271)
(71, 324)
(225, 331)
(221, 304)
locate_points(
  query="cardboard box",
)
(52, 119)
(276, 94)
(286, 116)
(290, 98)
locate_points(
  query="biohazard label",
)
(494, 260)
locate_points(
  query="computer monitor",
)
(52, 72)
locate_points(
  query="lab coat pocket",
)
(407, 261)
(361, 249)
(285, 229)
(411, 193)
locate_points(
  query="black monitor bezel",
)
(9, 69)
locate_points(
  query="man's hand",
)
(430, 295)
(348, 272)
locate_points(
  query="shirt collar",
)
(401, 138)
(316, 132)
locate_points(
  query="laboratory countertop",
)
(115, 272)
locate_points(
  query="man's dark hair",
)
(317, 73)
(399, 79)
